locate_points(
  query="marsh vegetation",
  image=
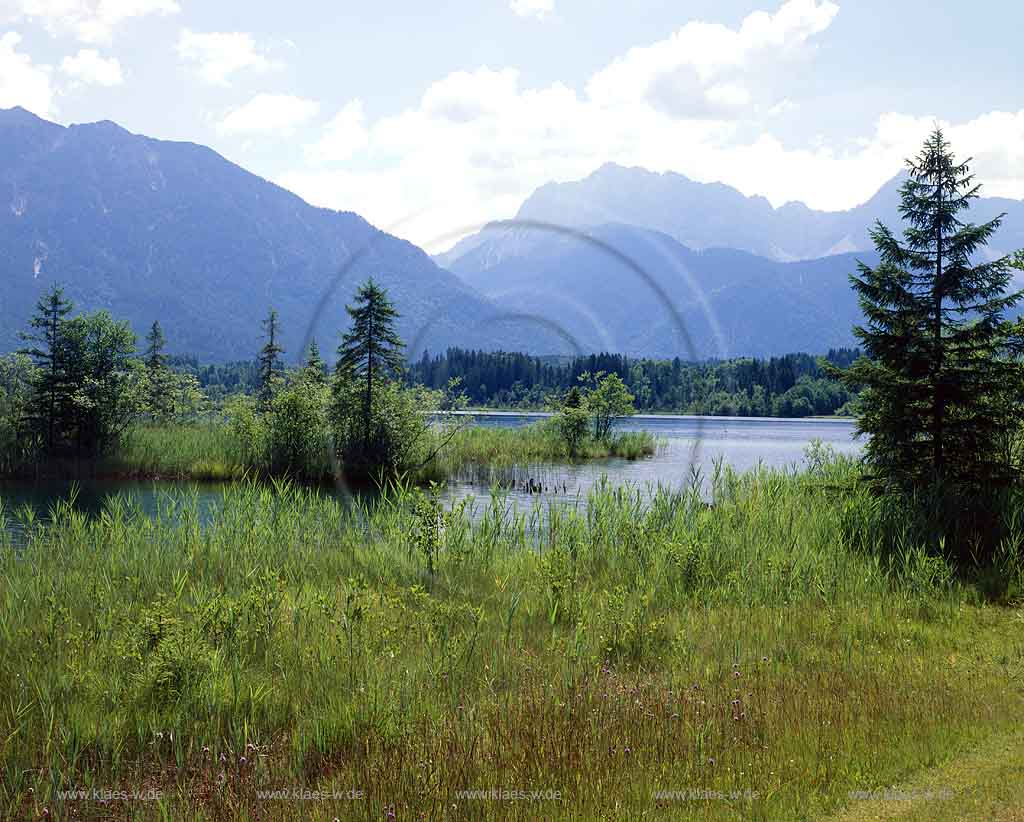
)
(798, 640)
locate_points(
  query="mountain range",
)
(708, 215)
(156, 230)
(625, 260)
(640, 292)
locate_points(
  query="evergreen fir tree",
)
(940, 357)
(51, 388)
(155, 344)
(160, 399)
(371, 351)
(315, 369)
(269, 360)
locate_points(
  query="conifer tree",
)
(160, 399)
(315, 369)
(51, 389)
(940, 366)
(269, 360)
(371, 351)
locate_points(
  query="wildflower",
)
(736, 674)
(242, 761)
(711, 760)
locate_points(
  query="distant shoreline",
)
(515, 412)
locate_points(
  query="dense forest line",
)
(793, 385)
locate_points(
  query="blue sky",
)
(431, 118)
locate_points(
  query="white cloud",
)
(478, 142)
(91, 21)
(532, 8)
(704, 67)
(88, 67)
(343, 136)
(218, 55)
(269, 112)
(994, 140)
(22, 82)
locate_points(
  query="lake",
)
(689, 444)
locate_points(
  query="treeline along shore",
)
(80, 398)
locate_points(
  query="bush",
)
(597, 402)
(297, 435)
(394, 439)
(16, 447)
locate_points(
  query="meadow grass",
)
(637, 658)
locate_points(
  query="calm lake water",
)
(688, 444)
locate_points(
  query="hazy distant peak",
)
(704, 215)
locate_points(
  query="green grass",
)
(209, 452)
(198, 451)
(536, 443)
(771, 644)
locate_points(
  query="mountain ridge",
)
(706, 215)
(640, 292)
(172, 231)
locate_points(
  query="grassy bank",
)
(200, 451)
(536, 443)
(761, 659)
(210, 452)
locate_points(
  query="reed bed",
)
(640, 657)
(210, 452)
(539, 442)
(204, 452)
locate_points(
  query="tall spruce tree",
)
(315, 369)
(269, 360)
(372, 350)
(51, 386)
(940, 366)
(160, 398)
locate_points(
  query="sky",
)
(429, 119)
